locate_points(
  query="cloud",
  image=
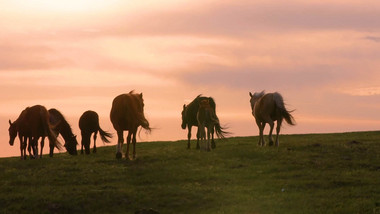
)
(373, 38)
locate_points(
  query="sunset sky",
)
(77, 55)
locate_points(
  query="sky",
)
(77, 55)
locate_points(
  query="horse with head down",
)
(32, 124)
(127, 114)
(189, 119)
(268, 108)
(61, 126)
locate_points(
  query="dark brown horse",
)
(127, 114)
(88, 124)
(267, 108)
(32, 124)
(61, 126)
(189, 119)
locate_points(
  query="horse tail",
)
(49, 132)
(104, 135)
(219, 130)
(284, 113)
(144, 123)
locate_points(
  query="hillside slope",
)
(315, 173)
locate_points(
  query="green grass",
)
(313, 173)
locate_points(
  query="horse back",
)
(127, 112)
(193, 108)
(269, 105)
(33, 122)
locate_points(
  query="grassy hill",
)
(313, 173)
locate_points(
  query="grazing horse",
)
(206, 118)
(267, 108)
(127, 114)
(61, 126)
(13, 132)
(32, 124)
(88, 124)
(189, 119)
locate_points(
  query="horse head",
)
(184, 122)
(254, 97)
(12, 132)
(71, 145)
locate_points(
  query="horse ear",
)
(184, 106)
(141, 95)
(250, 94)
(10, 123)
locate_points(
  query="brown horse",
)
(206, 118)
(88, 124)
(189, 119)
(267, 108)
(13, 132)
(61, 126)
(127, 114)
(32, 124)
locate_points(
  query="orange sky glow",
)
(323, 57)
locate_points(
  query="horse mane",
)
(260, 94)
(136, 99)
(65, 127)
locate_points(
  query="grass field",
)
(313, 173)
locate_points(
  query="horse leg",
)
(29, 147)
(128, 142)
(261, 126)
(95, 135)
(87, 142)
(134, 143)
(51, 146)
(32, 143)
(120, 141)
(22, 139)
(199, 136)
(278, 128)
(82, 142)
(213, 145)
(188, 136)
(42, 147)
(271, 124)
(208, 138)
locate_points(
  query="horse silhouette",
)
(189, 119)
(33, 123)
(206, 118)
(88, 124)
(61, 126)
(127, 114)
(267, 108)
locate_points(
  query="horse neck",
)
(65, 130)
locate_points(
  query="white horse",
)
(267, 108)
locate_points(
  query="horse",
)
(88, 124)
(206, 118)
(189, 119)
(61, 126)
(32, 124)
(267, 108)
(13, 133)
(127, 114)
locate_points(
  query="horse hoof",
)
(118, 155)
(271, 143)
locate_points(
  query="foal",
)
(206, 118)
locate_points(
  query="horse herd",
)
(127, 114)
